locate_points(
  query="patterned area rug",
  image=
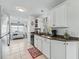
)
(34, 52)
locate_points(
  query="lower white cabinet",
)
(43, 45)
(72, 50)
(58, 49)
(36, 41)
(46, 47)
(39, 43)
(55, 49)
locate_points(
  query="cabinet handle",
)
(65, 43)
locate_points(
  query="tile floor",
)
(18, 50)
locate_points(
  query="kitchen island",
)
(57, 47)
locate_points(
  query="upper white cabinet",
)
(51, 18)
(58, 16)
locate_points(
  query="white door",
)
(57, 50)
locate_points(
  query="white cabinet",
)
(46, 47)
(61, 16)
(64, 50)
(39, 43)
(58, 16)
(43, 45)
(42, 39)
(58, 50)
(36, 41)
(55, 49)
(51, 18)
(72, 50)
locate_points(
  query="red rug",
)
(34, 52)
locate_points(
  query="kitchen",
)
(55, 45)
(53, 30)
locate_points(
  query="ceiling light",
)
(20, 9)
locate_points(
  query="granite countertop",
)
(58, 37)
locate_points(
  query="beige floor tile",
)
(41, 57)
(24, 57)
(14, 56)
(23, 53)
(18, 50)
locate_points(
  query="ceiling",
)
(32, 7)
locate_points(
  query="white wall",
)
(72, 18)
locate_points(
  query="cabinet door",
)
(43, 46)
(51, 18)
(36, 41)
(60, 14)
(72, 50)
(46, 47)
(39, 43)
(42, 38)
(57, 50)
